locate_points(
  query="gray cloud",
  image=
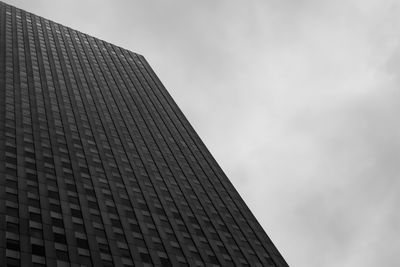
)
(298, 101)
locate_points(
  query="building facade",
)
(99, 167)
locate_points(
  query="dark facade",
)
(99, 167)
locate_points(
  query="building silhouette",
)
(99, 167)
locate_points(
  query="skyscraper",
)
(99, 167)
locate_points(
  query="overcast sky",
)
(299, 101)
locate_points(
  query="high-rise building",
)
(99, 167)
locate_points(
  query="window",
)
(38, 250)
(13, 244)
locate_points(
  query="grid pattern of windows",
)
(99, 167)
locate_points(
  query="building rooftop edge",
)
(130, 51)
